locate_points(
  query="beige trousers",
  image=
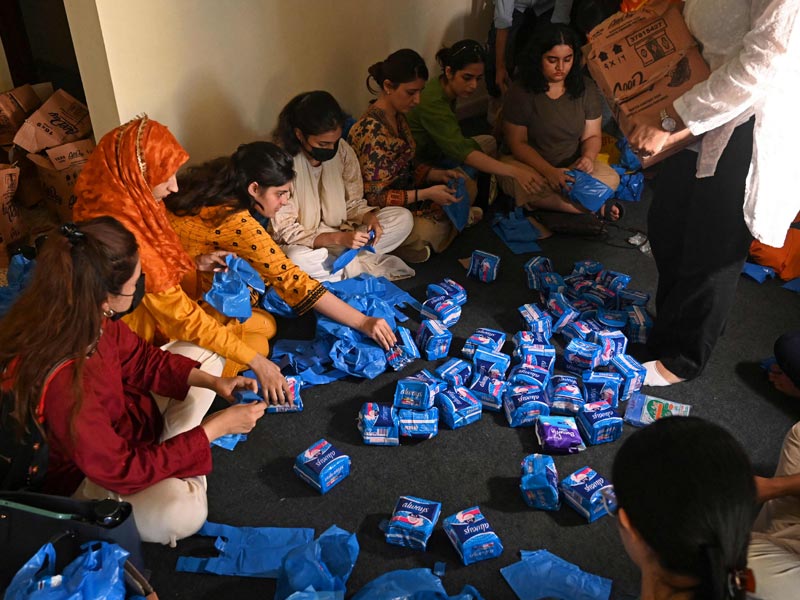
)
(774, 554)
(173, 508)
(548, 199)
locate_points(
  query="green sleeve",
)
(439, 121)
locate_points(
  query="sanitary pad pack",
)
(441, 308)
(483, 337)
(599, 423)
(458, 406)
(293, 382)
(493, 364)
(580, 356)
(613, 280)
(539, 484)
(433, 338)
(577, 329)
(613, 319)
(422, 424)
(566, 397)
(612, 344)
(581, 491)
(639, 324)
(562, 311)
(378, 425)
(404, 352)
(489, 391)
(472, 536)
(534, 268)
(632, 374)
(523, 404)
(628, 297)
(537, 355)
(529, 375)
(643, 409)
(483, 266)
(537, 322)
(450, 288)
(455, 371)
(558, 435)
(414, 392)
(322, 466)
(412, 522)
(601, 387)
(587, 267)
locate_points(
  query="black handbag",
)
(29, 520)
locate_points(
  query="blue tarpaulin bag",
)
(97, 574)
(411, 584)
(246, 551)
(589, 192)
(458, 212)
(230, 293)
(321, 565)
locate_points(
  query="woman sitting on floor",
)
(385, 147)
(551, 122)
(128, 176)
(686, 498)
(212, 212)
(435, 127)
(327, 213)
(117, 411)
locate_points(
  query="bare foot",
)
(782, 382)
(613, 212)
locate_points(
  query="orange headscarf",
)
(117, 180)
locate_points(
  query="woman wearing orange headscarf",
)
(127, 177)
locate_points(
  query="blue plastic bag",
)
(517, 232)
(98, 574)
(587, 191)
(541, 574)
(458, 212)
(272, 302)
(321, 565)
(346, 257)
(758, 273)
(628, 158)
(19, 273)
(246, 551)
(230, 293)
(411, 584)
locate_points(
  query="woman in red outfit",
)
(109, 435)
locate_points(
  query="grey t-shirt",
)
(554, 127)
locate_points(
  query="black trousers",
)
(700, 242)
(787, 354)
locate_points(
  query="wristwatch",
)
(667, 123)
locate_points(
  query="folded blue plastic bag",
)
(517, 232)
(628, 158)
(758, 272)
(411, 584)
(272, 302)
(230, 293)
(541, 574)
(346, 257)
(458, 211)
(322, 565)
(587, 191)
(98, 573)
(246, 551)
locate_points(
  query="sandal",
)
(604, 214)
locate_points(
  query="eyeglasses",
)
(609, 500)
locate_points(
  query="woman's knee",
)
(171, 510)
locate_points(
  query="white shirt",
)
(754, 54)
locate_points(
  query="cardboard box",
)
(57, 185)
(71, 155)
(642, 61)
(10, 222)
(15, 105)
(60, 120)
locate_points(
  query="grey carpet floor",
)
(254, 485)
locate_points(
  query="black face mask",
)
(324, 154)
(136, 301)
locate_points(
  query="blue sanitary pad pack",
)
(378, 425)
(537, 322)
(412, 522)
(587, 267)
(529, 375)
(534, 268)
(293, 382)
(576, 330)
(437, 383)
(449, 288)
(421, 424)
(483, 266)
(558, 435)
(472, 536)
(632, 375)
(628, 297)
(600, 296)
(441, 308)
(539, 484)
(523, 404)
(580, 356)
(581, 491)
(613, 280)
(433, 338)
(458, 407)
(612, 319)
(536, 355)
(601, 387)
(489, 391)
(566, 397)
(493, 364)
(599, 423)
(404, 352)
(455, 371)
(612, 344)
(552, 282)
(483, 337)
(322, 466)
(639, 324)
(562, 311)
(414, 392)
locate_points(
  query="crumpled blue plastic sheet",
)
(19, 273)
(321, 565)
(411, 584)
(758, 273)
(517, 232)
(631, 185)
(98, 573)
(793, 285)
(627, 158)
(589, 192)
(230, 293)
(272, 302)
(246, 551)
(346, 257)
(309, 359)
(541, 574)
(458, 212)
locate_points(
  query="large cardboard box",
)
(642, 61)
(15, 105)
(58, 175)
(10, 223)
(60, 120)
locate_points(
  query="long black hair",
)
(402, 66)
(687, 487)
(459, 55)
(544, 39)
(224, 181)
(312, 113)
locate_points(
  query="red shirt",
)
(114, 438)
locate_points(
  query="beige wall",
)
(218, 72)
